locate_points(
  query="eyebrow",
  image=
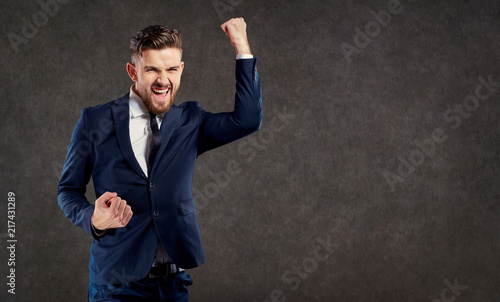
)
(171, 67)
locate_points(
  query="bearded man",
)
(140, 151)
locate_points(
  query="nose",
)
(162, 79)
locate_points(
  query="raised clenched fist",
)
(236, 30)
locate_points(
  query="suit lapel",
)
(121, 119)
(168, 126)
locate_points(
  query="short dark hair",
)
(155, 37)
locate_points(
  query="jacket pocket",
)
(187, 206)
(184, 128)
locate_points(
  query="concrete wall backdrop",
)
(375, 176)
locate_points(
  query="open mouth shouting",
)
(160, 93)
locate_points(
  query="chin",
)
(162, 108)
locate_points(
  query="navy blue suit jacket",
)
(162, 204)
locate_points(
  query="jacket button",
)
(156, 213)
(151, 185)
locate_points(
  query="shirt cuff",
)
(244, 56)
(98, 233)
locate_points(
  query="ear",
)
(132, 72)
(182, 66)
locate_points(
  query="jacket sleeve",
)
(75, 177)
(222, 128)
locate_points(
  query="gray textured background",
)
(316, 176)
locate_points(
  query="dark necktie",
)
(156, 140)
(161, 254)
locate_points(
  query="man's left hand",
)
(236, 30)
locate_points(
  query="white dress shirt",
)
(141, 136)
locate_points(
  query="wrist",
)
(94, 225)
(95, 230)
(242, 48)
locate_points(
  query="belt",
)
(163, 270)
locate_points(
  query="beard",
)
(159, 108)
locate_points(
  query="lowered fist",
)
(110, 212)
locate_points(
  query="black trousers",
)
(164, 289)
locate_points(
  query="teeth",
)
(160, 91)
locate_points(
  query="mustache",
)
(162, 84)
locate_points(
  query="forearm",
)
(242, 47)
(248, 97)
(77, 209)
(74, 178)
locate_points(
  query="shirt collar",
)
(136, 105)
